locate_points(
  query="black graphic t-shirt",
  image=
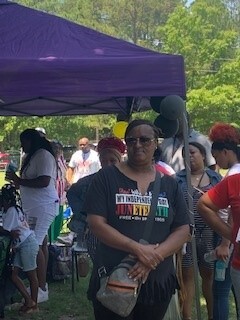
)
(116, 197)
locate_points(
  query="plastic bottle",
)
(220, 266)
(220, 270)
(210, 256)
(11, 167)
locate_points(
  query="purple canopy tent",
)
(51, 66)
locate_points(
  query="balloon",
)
(119, 129)
(168, 127)
(172, 107)
(155, 103)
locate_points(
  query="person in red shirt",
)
(224, 194)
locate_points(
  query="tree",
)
(219, 100)
(208, 45)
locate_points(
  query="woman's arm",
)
(174, 241)
(209, 212)
(39, 182)
(69, 175)
(113, 238)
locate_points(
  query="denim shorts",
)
(26, 254)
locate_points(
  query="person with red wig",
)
(226, 147)
(226, 151)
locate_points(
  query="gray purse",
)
(117, 291)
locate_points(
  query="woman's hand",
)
(139, 272)
(222, 252)
(15, 234)
(11, 176)
(148, 255)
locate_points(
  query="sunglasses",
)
(145, 141)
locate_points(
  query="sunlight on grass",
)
(2, 178)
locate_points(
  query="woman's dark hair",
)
(200, 147)
(37, 142)
(139, 122)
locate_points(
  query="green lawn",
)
(62, 304)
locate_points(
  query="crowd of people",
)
(109, 191)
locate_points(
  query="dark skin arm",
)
(39, 182)
(148, 255)
(209, 212)
(69, 175)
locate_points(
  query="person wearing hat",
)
(110, 151)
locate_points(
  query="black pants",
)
(140, 312)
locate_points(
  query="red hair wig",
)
(225, 133)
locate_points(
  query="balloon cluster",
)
(170, 110)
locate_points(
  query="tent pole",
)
(191, 214)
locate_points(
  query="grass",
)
(63, 304)
(2, 178)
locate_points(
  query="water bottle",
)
(210, 256)
(11, 167)
(220, 270)
(221, 266)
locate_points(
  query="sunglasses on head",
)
(146, 141)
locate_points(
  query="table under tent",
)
(50, 66)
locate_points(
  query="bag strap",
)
(153, 207)
(149, 223)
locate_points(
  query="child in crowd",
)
(25, 247)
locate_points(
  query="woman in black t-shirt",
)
(117, 204)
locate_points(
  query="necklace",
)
(198, 178)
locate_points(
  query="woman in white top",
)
(37, 183)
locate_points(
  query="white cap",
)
(42, 130)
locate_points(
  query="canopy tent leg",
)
(191, 215)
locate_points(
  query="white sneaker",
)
(42, 295)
